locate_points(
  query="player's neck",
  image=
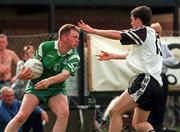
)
(63, 49)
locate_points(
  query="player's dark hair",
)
(65, 29)
(144, 13)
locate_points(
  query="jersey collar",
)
(56, 47)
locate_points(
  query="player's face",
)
(135, 22)
(73, 39)
(3, 43)
(8, 97)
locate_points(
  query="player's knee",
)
(113, 112)
(135, 125)
(21, 117)
(64, 113)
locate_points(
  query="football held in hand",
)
(36, 66)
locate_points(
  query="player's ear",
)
(64, 37)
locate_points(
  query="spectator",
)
(9, 106)
(156, 117)
(7, 57)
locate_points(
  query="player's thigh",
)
(124, 103)
(140, 115)
(58, 103)
(29, 102)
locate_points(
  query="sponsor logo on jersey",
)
(56, 67)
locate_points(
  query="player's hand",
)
(85, 27)
(42, 84)
(103, 56)
(25, 74)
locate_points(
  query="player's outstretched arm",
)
(104, 56)
(112, 34)
(108, 56)
(86, 27)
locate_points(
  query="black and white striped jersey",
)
(145, 55)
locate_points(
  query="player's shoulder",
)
(143, 29)
(47, 44)
(140, 31)
(150, 29)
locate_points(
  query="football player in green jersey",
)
(60, 60)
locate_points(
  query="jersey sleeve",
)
(72, 64)
(133, 36)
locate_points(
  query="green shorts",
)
(45, 94)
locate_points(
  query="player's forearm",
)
(59, 78)
(118, 56)
(112, 34)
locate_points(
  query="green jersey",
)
(54, 63)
